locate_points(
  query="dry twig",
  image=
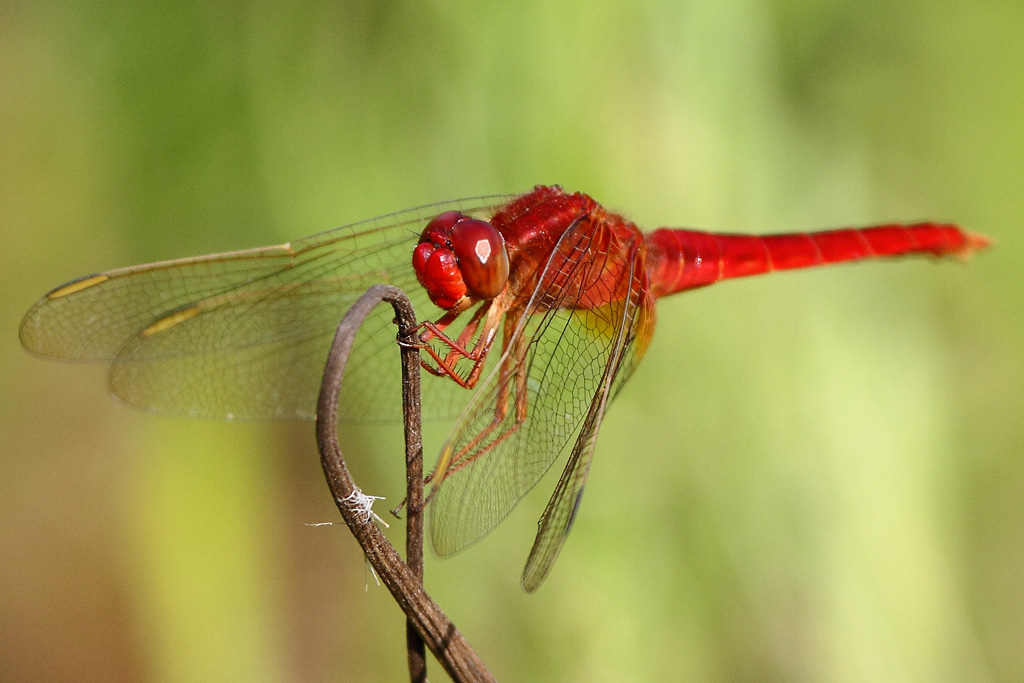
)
(426, 622)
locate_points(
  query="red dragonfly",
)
(570, 287)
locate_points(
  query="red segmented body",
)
(687, 259)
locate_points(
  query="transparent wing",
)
(637, 325)
(245, 334)
(558, 363)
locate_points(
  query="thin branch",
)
(404, 581)
(405, 317)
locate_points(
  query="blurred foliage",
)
(812, 476)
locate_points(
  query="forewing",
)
(245, 334)
(553, 366)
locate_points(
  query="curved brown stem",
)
(426, 622)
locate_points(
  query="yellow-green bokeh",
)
(812, 476)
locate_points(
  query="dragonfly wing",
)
(633, 332)
(245, 334)
(554, 362)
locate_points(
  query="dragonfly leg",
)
(420, 339)
(458, 349)
(513, 369)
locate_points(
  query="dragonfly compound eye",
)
(483, 261)
(439, 228)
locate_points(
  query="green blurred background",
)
(814, 476)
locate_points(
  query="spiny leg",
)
(513, 368)
(446, 366)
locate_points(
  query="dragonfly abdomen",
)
(687, 259)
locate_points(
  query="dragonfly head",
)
(459, 260)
